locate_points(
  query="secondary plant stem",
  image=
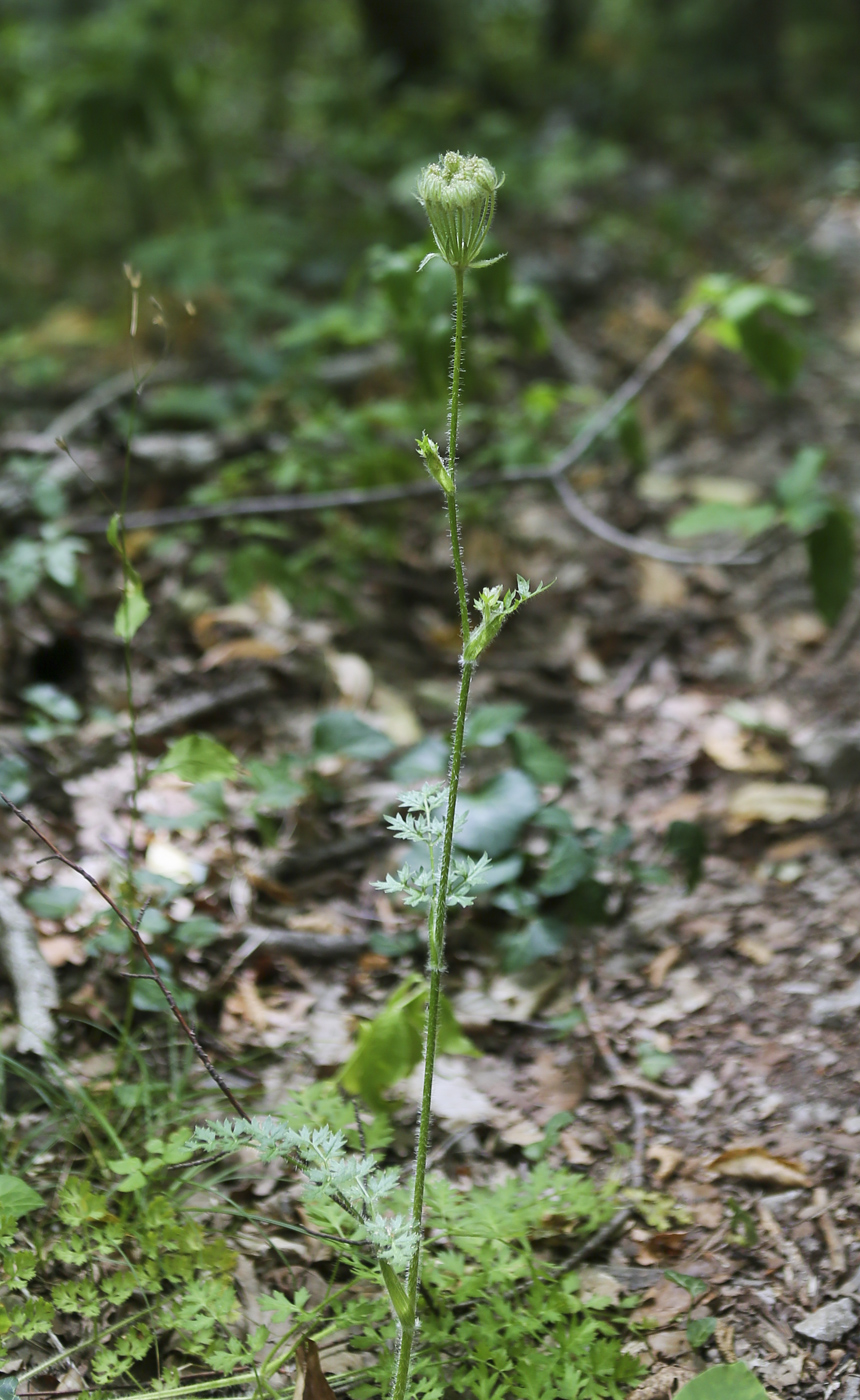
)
(439, 909)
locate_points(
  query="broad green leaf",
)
(537, 758)
(653, 1063)
(340, 731)
(14, 778)
(428, 759)
(391, 1045)
(686, 841)
(53, 702)
(696, 1287)
(197, 758)
(133, 609)
(830, 551)
(53, 901)
(772, 353)
(541, 938)
(489, 725)
(713, 517)
(735, 1382)
(700, 1330)
(800, 493)
(61, 559)
(16, 1197)
(495, 816)
(198, 932)
(569, 864)
(8, 1385)
(802, 477)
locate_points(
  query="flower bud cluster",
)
(459, 197)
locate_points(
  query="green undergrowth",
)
(131, 1267)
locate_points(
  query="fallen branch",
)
(142, 948)
(33, 981)
(357, 497)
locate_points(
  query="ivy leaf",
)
(197, 758)
(830, 551)
(494, 817)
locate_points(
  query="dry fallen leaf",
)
(660, 585)
(246, 1002)
(659, 967)
(755, 949)
(352, 676)
(668, 1160)
(663, 1384)
(737, 749)
(663, 1303)
(62, 948)
(775, 803)
(575, 1154)
(311, 1384)
(759, 1165)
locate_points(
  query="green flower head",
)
(459, 197)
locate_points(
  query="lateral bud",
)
(428, 451)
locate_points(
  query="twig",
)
(76, 414)
(306, 943)
(135, 933)
(622, 1079)
(584, 440)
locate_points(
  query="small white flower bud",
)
(459, 197)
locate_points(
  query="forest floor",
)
(700, 1043)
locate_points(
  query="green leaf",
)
(133, 609)
(53, 702)
(653, 1063)
(569, 864)
(537, 758)
(735, 1382)
(696, 1287)
(53, 901)
(396, 1291)
(700, 1330)
(112, 532)
(14, 778)
(541, 938)
(495, 816)
(830, 552)
(801, 478)
(198, 932)
(772, 353)
(489, 725)
(197, 758)
(8, 1387)
(340, 731)
(715, 517)
(687, 842)
(16, 1197)
(428, 759)
(391, 1045)
(631, 439)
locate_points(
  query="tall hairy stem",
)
(439, 910)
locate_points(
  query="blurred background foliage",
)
(245, 156)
